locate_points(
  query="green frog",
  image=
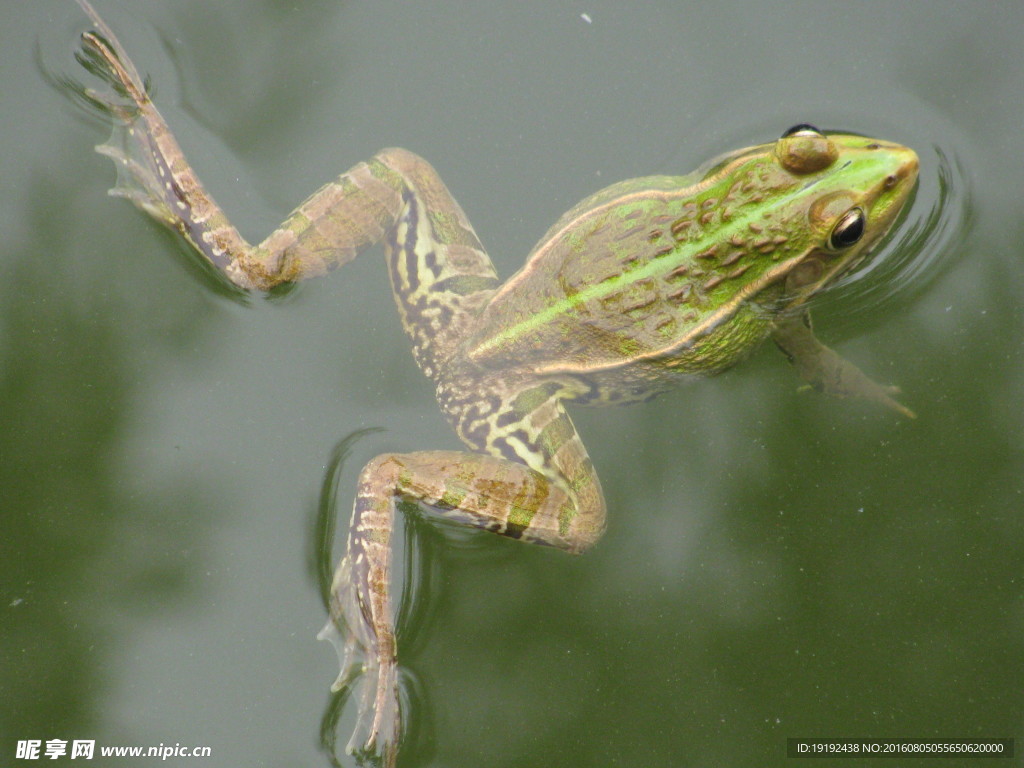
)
(643, 285)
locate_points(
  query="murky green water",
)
(776, 565)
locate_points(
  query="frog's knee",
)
(585, 537)
(383, 470)
(405, 162)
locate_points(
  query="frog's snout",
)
(909, 167)
(900, 169)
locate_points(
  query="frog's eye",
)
(802, 129)
(848, 230)
(804, 149)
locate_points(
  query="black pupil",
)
(849, 230)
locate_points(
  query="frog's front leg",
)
(825, 370)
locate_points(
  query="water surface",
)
(776, 564)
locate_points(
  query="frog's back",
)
(617, 281)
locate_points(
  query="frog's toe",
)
(884, 394)
(885, 397)
(373, 685)
(379, 724)
(367, 671)
(349, 661)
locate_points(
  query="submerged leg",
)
(825, 370)
(562, 507)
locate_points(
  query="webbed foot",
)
(367, 668)
(827, 372)
(868, 389)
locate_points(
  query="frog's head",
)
(853, 188)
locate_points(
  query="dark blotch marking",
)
(514, 530)
(431, 262)
(506, 419)
(412, 216)
(505, 446)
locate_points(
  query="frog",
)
(642, 286)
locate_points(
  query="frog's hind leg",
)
(441, 277)
(535, 483)
(436, 260)
(152, 170)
